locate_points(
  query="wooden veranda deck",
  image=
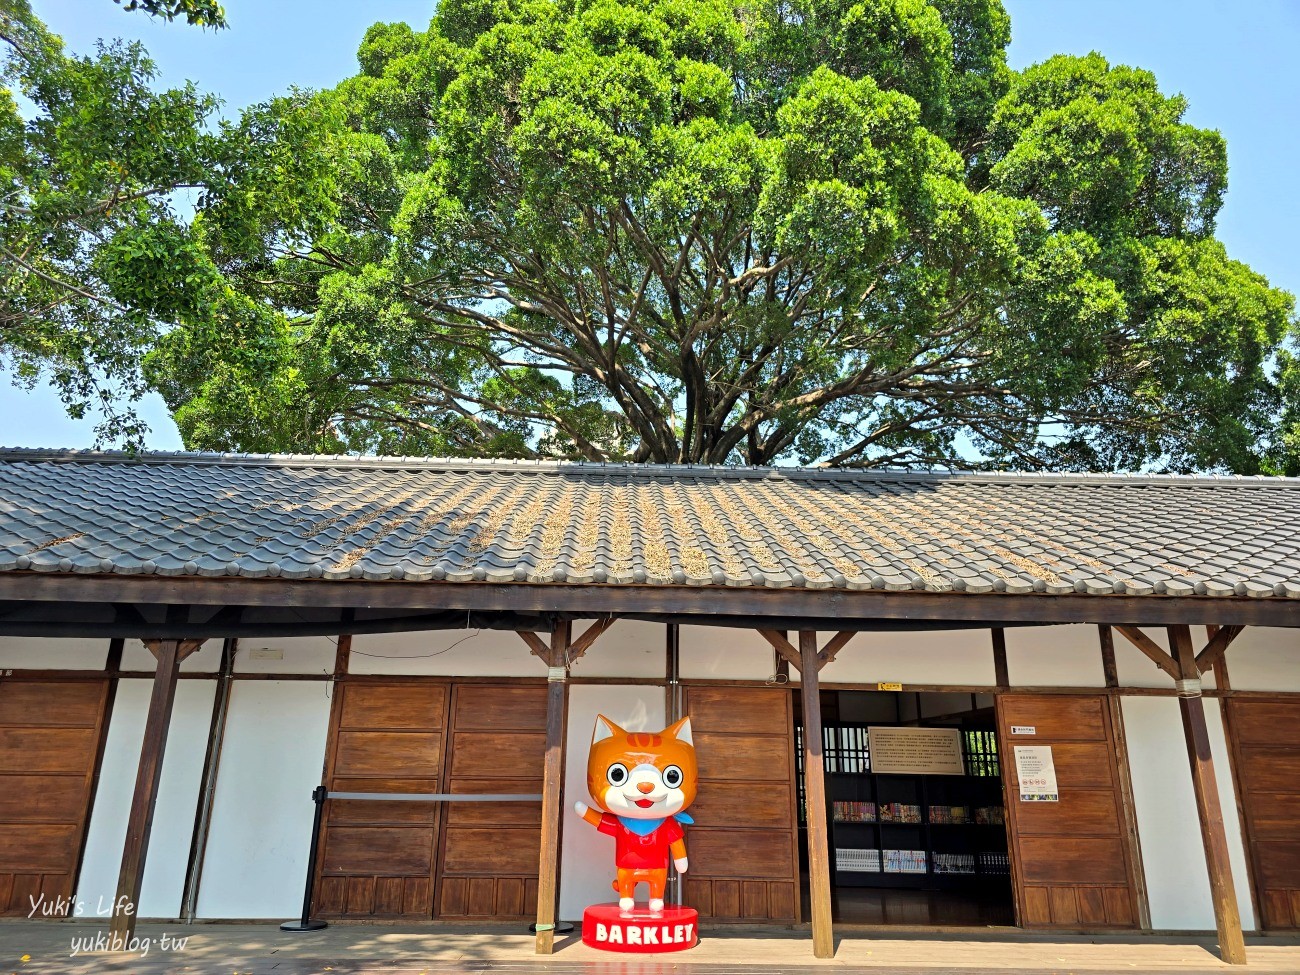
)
(351, 949)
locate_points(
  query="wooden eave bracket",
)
(1211, 652)
(788, 651)
(576, 648)
(183, 647)
(1218, 645)
(1157, 653)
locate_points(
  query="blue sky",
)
(1235, 64)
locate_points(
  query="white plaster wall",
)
(448, 653)
(918, 657)
(724, 653)
(205, 660)
(298, 655)
(1173, 857)
(178, 792)
(274, 752)
(587, 857)
(1055, 656)
(1265, 658)
(39, 653)
(629, 648)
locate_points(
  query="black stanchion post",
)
(319, 795)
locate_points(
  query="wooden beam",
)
(1227, 917)
(589, 636)
(1108, 666)
(536, 645)
(1001, 673)
(139, 821)
(833, 646)
(814, 774)
(1152, 649)
(557, 708)
(731, 606)
(782, 646)
(1217, 647)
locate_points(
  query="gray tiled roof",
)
(518, 522)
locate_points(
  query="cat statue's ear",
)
(605, 729)
(681, 731)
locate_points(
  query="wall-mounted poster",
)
(1037, 773)
(916, 751)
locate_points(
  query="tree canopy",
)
(97, 256)
(821, 231)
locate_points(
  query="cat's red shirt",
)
(633, 852)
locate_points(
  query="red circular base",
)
(638, 931)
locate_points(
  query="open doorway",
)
(912, 845)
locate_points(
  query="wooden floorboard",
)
(43, 948)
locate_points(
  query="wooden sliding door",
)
(744, 846)
(1073, 859)
(1265, 737)
(50, 734)
(491, 849)
(418, 860)
(377, 858)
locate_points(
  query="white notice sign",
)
(1037, 773)
(913, 751)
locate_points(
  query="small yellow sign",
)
(889, 687)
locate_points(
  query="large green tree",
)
(840, 231)
(97, 253)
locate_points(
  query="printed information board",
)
(1037, 773)
(916, 751)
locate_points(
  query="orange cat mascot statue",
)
(643, 782)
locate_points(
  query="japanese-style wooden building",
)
(190, 644)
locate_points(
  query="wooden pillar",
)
(1227, 917)
(819, 870)
(557, 708)
(140, 821)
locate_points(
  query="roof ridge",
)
(379, 462)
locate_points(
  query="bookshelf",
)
(931, 832)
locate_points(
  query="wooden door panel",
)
(1061, 718)
(42, 798)
(1083, 812)
(1085, 860)
(491, 707)
(394, 706)
(486, 754)
(490, 851)
(411, 754)
(763, 759)
(1269, 769)
(392, 851)
(50, 733)
(1074, 863)
(1264, 734)
(38, 848)
(754, 853)
(496, 813)
(46, 749)
(376, 857)
(743, 847)
(37, 704)
(741, 802)
(1266, 722)
(737, 710)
